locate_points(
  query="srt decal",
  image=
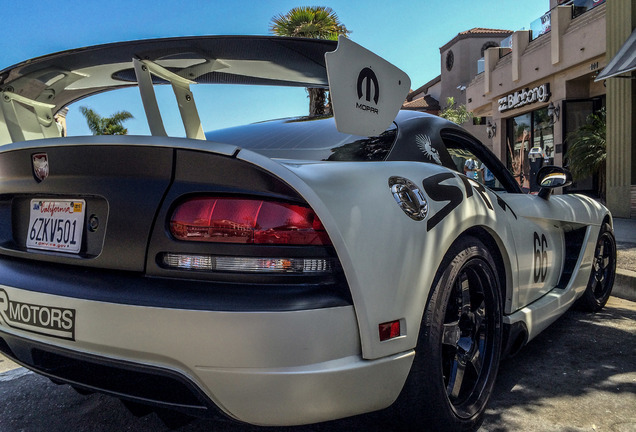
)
(451, 193)
(367, 75)
(440, 192)
(424, 143)
(504, 205)
(540, 257)
(481, 190)
(44, 320)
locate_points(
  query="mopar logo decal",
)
(46, 320)
(367, 76)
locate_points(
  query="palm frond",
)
(112, 125)
(93, 120)
(316, 22)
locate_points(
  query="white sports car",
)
(284, 272)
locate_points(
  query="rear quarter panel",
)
(389, 260)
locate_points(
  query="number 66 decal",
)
(540, 257)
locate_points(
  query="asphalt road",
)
(578, 375)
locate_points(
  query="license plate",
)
(56, 225)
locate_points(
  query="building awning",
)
(623, 62)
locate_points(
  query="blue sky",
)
(407, 33)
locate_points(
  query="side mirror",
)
(551, 177)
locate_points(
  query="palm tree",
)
(587, 150)
(106, 125)
(315, 22)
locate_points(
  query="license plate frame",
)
(56, 225)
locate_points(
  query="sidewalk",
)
(625, 283)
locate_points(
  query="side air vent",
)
(573, 245)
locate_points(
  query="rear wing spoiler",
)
(366, 90)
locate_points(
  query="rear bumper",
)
(261, 367)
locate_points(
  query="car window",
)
(475, 161)
(474, 168)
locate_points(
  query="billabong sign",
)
(366, 91)
(525, 97)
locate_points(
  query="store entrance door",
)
(530, 145)
(575, 116)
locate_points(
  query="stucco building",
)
(541, 85)
(460, 63)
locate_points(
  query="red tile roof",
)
(481, 30)
(477, 32)
(426, 103)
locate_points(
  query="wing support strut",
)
(22, 119)
(144, 69)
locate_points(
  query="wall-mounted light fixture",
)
(461, 88)
(553, 112)
(491, 129)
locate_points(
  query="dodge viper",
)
(284, 272)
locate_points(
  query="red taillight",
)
(241, 220)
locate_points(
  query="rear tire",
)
(459, 345)
(599, 287)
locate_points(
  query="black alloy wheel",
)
(459, 346)
(601, 282)
(467, 339)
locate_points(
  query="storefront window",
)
(530, 146)
(519, 147)
(543, 135)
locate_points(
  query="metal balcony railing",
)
(579, 7)
(541, 25)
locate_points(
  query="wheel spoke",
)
(480, 315)
(456, 379)
(475, 361)
(451, 334)
(605, 262)
(601, 250)
(465, 287)
(600, 276)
